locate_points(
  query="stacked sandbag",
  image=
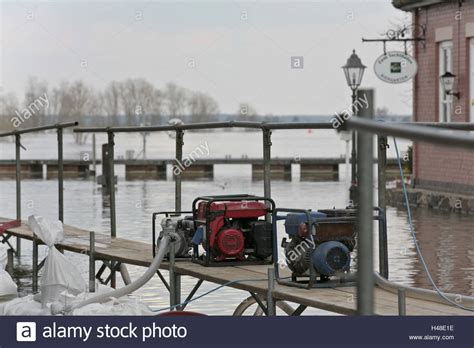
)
(8, 288)
(59, 274)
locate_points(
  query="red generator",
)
(232, 230)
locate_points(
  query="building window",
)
(445, 65)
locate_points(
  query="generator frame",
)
(208, 258)
(312, 282)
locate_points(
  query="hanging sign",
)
(395, 67)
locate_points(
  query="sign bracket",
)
(405, 34)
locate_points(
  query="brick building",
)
(449, 47)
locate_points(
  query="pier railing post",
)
(381, 167)
(111, 184)
(177, 178)
(402, 308)
(60, 175)
(18, 188)
(267, 174)
(10, 261)
(365, 276)
(271, 305)
(34, 284)
(175, 279)
(91, 261)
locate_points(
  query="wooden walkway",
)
(338, 300)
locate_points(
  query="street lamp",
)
(354, 71)
(447, 81)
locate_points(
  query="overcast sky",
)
(241, 50)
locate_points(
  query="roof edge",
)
(409, 5)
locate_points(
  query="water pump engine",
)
(326, 249)
(181, 230)
(318, 245)
(232, 230)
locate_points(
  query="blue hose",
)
(208, 292)
(412, 230)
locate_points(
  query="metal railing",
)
(17, 134)
(266, 129)
(429, 132)
(366, 128)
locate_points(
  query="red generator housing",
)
(233, 229)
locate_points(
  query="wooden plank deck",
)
(338, 300)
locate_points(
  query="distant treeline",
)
(131, 102)
(127, 102)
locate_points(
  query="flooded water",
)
(446, 239)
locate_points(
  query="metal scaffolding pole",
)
(111, 179)
(267, 175)
(18, 188)
(365, 243)
(60, 176)
(177, 178)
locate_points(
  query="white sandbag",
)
(59, 274)
(8, 288)
(3, 254)
(23, 306)
(123, 306)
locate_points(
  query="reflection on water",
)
(446, 239)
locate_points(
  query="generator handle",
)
(230, 198)
(153, 224)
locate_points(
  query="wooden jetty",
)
(342, 300)
(311, 169)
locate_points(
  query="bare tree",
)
(73, 101)
(8, 105)
(35, 89)
(111, 100)
(202, 107)
(176, 100)
(55, 98)
(139, 98)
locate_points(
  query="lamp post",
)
(354, 71)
